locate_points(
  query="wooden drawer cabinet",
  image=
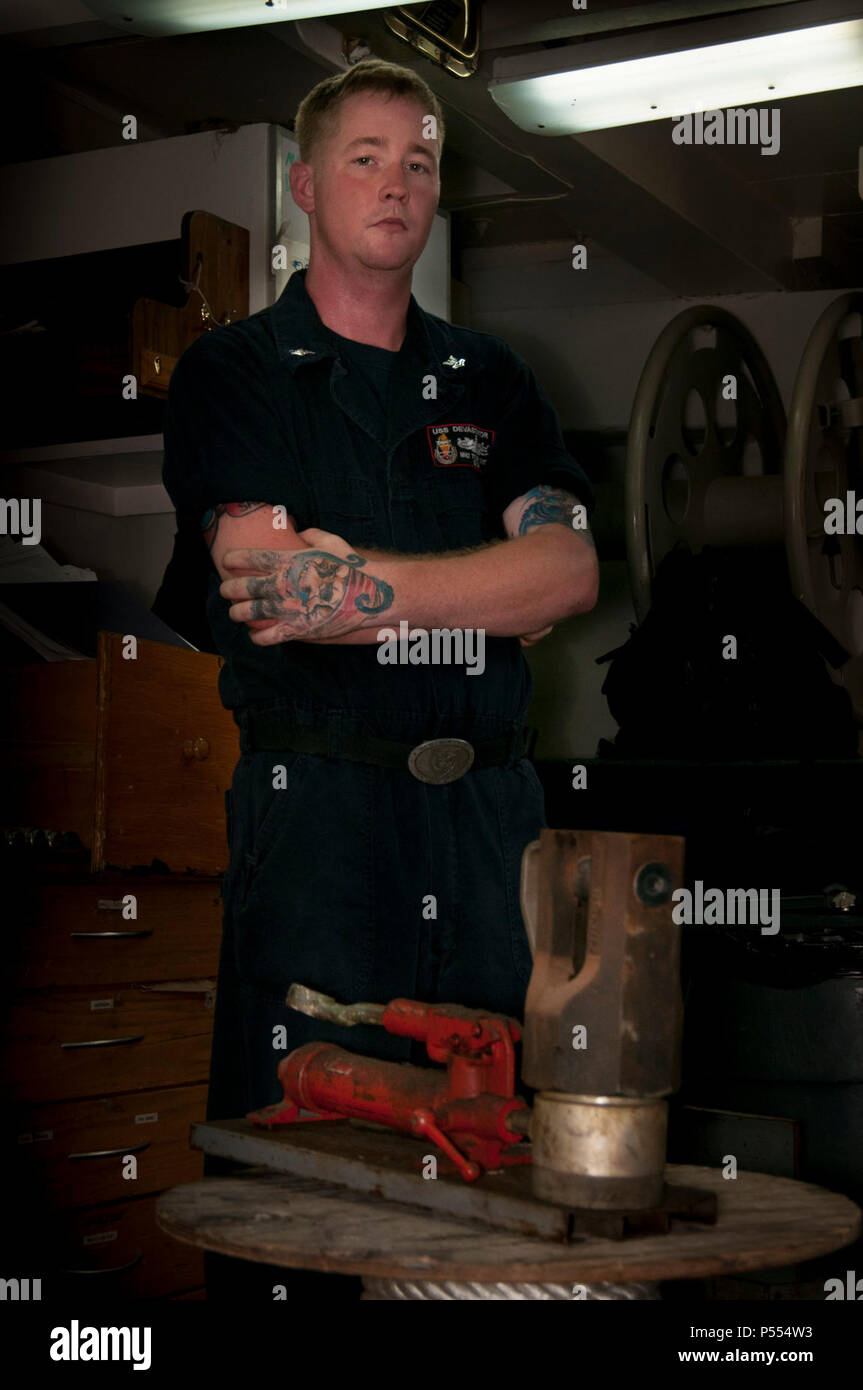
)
(65, 1043)
(78, 931)
(133, 755)
(71, 1153)
(118, 1249)
(107, 1013)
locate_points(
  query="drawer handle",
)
(110, 1153)
(106, 1042)
(124, 935)
(111, 1269)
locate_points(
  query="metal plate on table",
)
(388, 1165)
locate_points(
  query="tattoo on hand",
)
(544, 504)
(213, 515)
(315, 594)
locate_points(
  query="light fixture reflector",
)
(823, 58)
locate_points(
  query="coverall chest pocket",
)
(346, 504)
(458, 506)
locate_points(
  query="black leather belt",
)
(436, 760)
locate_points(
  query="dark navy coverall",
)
(326, 879)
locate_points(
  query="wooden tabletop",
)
(278, 1218)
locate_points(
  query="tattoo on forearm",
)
(544, 504)
(213, 515)
(316, 593)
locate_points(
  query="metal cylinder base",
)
(600, 1152)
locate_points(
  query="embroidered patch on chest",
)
(459, 446)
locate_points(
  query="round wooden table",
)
(277, 1218)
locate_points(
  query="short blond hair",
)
(318, 112)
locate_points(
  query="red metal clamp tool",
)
(474, 1100)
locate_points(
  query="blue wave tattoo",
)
(545, 504)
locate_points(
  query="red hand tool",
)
(475, 1099)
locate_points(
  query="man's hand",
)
(318, 592)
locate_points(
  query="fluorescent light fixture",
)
(766, 68)
(159, 17)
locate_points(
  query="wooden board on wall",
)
(216, 254)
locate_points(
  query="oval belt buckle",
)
(441, 760)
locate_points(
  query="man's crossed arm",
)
(316, 587)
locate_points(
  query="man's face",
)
(376, 183)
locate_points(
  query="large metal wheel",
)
(823, 460)
(702, 469)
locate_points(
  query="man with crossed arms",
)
(404, 470)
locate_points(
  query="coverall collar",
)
(301, 337)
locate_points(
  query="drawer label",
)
(97, 1004)
(100, 1238)
(147, 1119)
